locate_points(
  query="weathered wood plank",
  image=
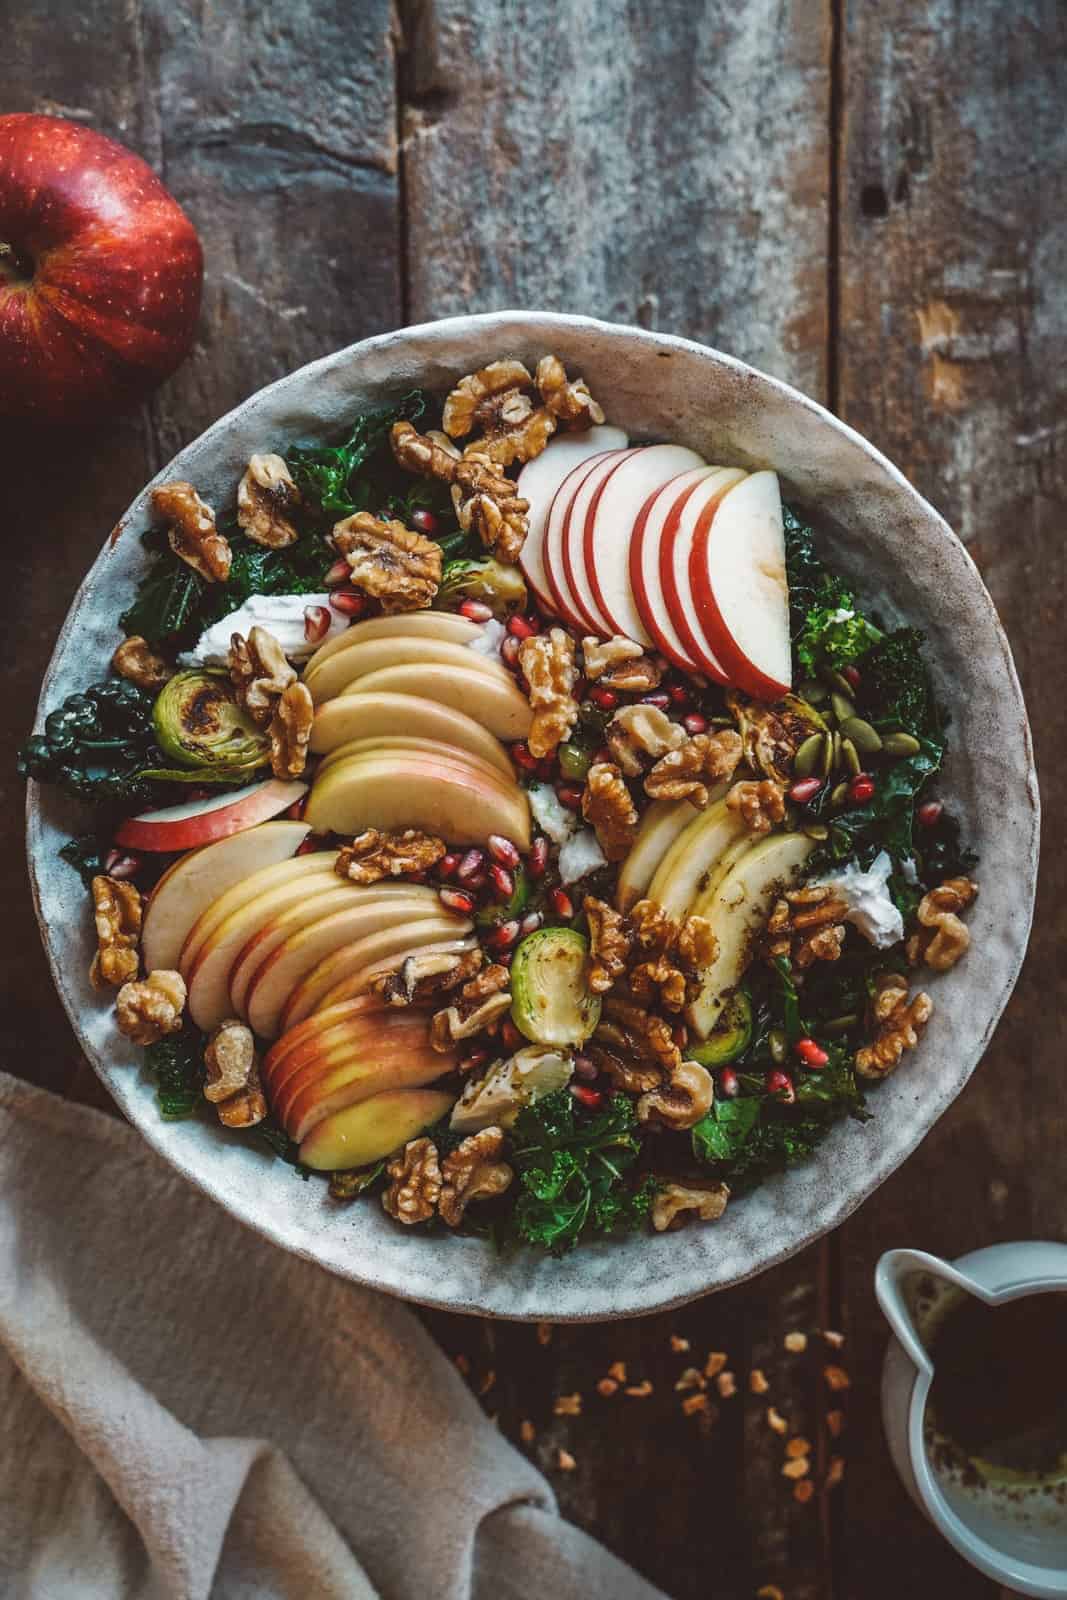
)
(953, 232)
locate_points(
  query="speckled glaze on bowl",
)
(901, 554)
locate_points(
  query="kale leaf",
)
(886, 821)
(896, 689)
(827, 628)
(87, 855)
(177, 1064)
(360, 473)
(97, 745)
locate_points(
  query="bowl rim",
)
(652, 1295)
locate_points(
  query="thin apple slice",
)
(499, 707)
(680, 875)
(577, 578)
(538, 482)
(358, 1082)
(188, 887)
(367, 716)
(660, 825)
(676, 542)
(738, 578)
(613, 510)
(448, 799)
(381, 1036)
(291, 1039)
(645, 584)
(315, 864)
(374, 1128)
(197, 822)
(414, 624)
(555, 529)
(354, 965)
(340, 674)
(398, 743)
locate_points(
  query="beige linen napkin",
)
(187, 1411)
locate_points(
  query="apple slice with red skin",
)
(442, 933)
(450, 800)
(367, 716)
(372, 1036)
(538, 482)
(577, 580)
(448, 625)
(737, 574)
(555, 528)
(373, 1129)
(197, 822)
(292, 1038)
(358, 1082)
(314, 864)
(499, 707)
(188, 887)
(645, 583)
(608, 530)
(676, 542)
(355, 982)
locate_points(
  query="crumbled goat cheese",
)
(489, 638)
(580, 856)
(551, 816)
(870, 907)
(908, 870)
(281, 614)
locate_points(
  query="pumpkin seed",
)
(826, 755)
(778, 1045)
(817, 830)
(807, 756)
(836, 680)
(838, 1025)
(811, 691)
(852, 757)
(899, 745)
(842, 707)
(863, 736)
(836, 761)
(839, 795)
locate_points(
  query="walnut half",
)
(374, 855)
(138, 663)
(674, 1200)
(266, 497)
(681, 1101)
(472, 1172)
(118, 911)
(191, 530)
(415, 1189)
(146, 1012)
(548, 665)
(390, 563)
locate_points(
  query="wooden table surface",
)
(867, 199)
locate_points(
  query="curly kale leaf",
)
(334, 480)
(828, 630)
(177, 1065)
(896, 687)
(887, 820)
(571, 1172)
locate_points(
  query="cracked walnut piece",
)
(416, 1187)
(609, 810)
(117, 910)
(761, 805)
(681, 1101)
(495, 403)
(569, 402)
(259, 672)
(374, 855)
(290, 731)
(486, 504)
(942, 938)
(482, 1003)
(232, 1083)
(609, 944)
(418, 978)
(674, 1200)
(681, 774)
(147, 1011)
(191, 530)
(265, 497)
(390, 563)
(806, 925)
(637, 1046)
(899, 1024)
(472, 1172)
(138, 663)
(431, 455)
(640, 731)
(619, 663)
(548, 665)
(672, 975)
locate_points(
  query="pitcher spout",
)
(891, 1277)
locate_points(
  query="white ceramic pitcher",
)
(1025, 1550)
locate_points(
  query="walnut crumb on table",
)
(757, 1381)
(796, 1342)
(565, 1461)
(607, 1387)
(568, 1405)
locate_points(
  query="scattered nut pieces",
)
(678, 1344)
(472, 1172)
(496, 404)
(544, 1333)
(717, 1362)
(260, 673)
(601, 655)
(609, 810)
(246, 1108)
(527, 1431)
(836, 1378)
(834, 1339)
(609, 944)
(149, 1010)
(806, 925)
(899, 1022)
(694, 1403)
(266, 499)
(415, 1189)
(487, 1382)
(230, 1060)
(796, 1342)
(639, 735)
(568, 1405)
(290, 731)
(633, 1046)
(692, 1378)
(796, 1467)
(683, 773)
(760, 805)
(803, 1491)
(679, 1103)
(775, 1421)
(942, 938)
(617, 1370)
(548, 665)
(118, 911)
(374, 855)
(478, 1012)
(565, 1461)
(798, 1446)
(769, 1591)
(835, 1422)
(191, 530)
(418, 978)
(639, 1391)
(726, 1384)
(835, 1472)
(392, 564)
(431, 455)
(135, 661)
(607, 1387)
(757, 1381)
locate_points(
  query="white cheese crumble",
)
(551, 816)
(489, 638)
(842, 614)
(908, 870)
(281, 614)
(870, 908)
(580, 855)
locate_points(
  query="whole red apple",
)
(100, 273)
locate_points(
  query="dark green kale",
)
(572, 1168)
(277, 1141)
(887, 820)
(827, 627)
(941, 853)
(97, 745)
(177, 1065)
(896, 691)
(332, 478)
(87, 855)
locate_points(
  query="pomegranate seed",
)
(503, 882)
(805, 789)
(521, 756)
(810, 1053)
(477, 1058)
(537, 860)
(929, 813)
(340, 572)
(475, 611)
(861, 789)
(348, 602)
(296, 811)
(680, 1035)
(307, 847)
(510, 1037)
(569, 795)
(470, 865)
(447, 865)
(502, 850)
(455, 900)
(425, 521)
(578, 692)
(781, 1084)
(853, 676)
(679, 694)
(317, 621)
(546, 768)
(503, 937)
(521, 628)
(603, 754)
(509, 650)
(729, 1084)
(592, 1099)
(695, 723)
(606, 699)
(531, 922)
(584, 1068)
(661, 699)
(477, 882)
(562, 904)
(122, 865)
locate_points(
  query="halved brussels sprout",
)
(772, 734)
(200, 726)
(497, 586)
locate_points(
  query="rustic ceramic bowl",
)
(901, 554)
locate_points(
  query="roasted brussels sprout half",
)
(200, 726)
(497, 586)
